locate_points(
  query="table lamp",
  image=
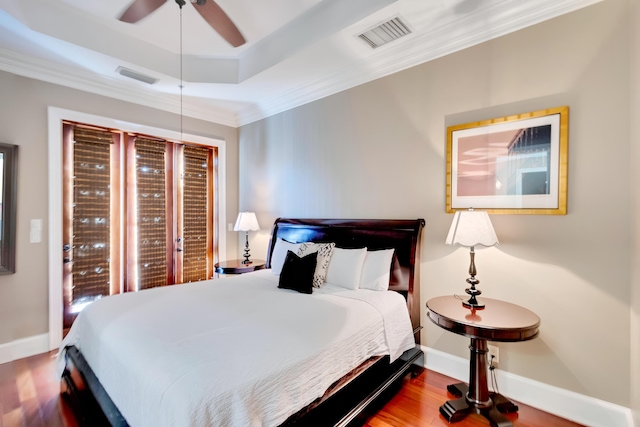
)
(246, 222)
(471, 228)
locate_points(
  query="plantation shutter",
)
(151, 216)
(195, 213)
(139, 212)
(91, 214)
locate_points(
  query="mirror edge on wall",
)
(9, 153)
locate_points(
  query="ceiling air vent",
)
(136, 75)
(386, 32)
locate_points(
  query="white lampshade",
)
(246, 221)
(471, 228)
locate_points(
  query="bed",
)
(295, 373)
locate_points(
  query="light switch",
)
(35, 233)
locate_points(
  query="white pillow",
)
(324, 251)
(345, 267)
(376, 270)
(280, 253)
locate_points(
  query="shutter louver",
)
(91, 214)
(195, 214)
(151, 215)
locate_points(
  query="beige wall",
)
(634, 17)
(23, 121)
(378, 151)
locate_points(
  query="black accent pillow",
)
(297, 273)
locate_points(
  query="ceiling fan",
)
(208, 9)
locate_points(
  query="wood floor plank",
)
(13, 418)
(29, 397)
(31, 413)
(8, 388)
(46, 384)
(50, 413)
(24, 381)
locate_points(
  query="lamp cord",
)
(494, 379)
(492, 367)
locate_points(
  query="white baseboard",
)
(567, 404)
(24, 347)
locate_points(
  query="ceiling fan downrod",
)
(198, 2)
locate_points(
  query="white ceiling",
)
(296, 51)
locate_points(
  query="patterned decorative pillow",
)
(324, 251)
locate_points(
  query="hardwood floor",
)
(418, 402)
(29, 398)
(29, 394)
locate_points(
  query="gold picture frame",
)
(510, 165)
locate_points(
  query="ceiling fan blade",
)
(215, 16)
(139, 9)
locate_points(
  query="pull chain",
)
(181, 80)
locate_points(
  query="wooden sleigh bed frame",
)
(352, 399)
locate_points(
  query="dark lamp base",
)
(473, 305)
(246, 250)
(472, 302)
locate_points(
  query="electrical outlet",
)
(494, 354)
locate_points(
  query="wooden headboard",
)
(402, 235)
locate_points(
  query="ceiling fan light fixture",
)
(126, 72)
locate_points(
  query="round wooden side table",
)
(238, 266)
(498, 321)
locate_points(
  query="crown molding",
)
(55, 73)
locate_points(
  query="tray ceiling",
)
(297, 51)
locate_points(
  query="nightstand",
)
(237, 266)
(498, 321)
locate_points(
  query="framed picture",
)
(510, 165)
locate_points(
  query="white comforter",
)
(232, 352)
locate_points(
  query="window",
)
(138, 213)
